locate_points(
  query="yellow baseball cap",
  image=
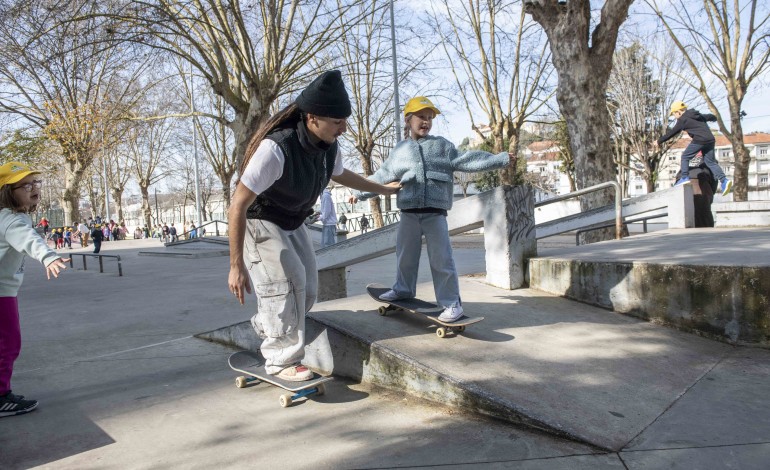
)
(677, 106)
(419, 103)
(13, 172)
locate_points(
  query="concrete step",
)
(537, 360)
(662, 277)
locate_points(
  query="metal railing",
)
(618, 202)
(643, 220)
(101, 261)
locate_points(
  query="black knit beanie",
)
(326, 96)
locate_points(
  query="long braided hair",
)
(286, 118)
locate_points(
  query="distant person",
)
(67, 238)
(364, 224)
(328, 219)
(97, 235)
(138, 233)
(164, 231)
(85, 231)
(192, 233)
(45, 225)
(19, 196)
(172, 233)
(694, 123)
(343, 222)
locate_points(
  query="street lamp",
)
(396, 107)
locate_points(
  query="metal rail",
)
(618, 202)
(643, 220)
(101, 262)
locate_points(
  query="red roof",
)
(543, 145)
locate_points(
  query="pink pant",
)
(10, 340)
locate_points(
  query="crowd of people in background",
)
(83, 232)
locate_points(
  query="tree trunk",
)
(742, 156)
(117, 196)
(583, 61)
(374, 203)
(146, 208)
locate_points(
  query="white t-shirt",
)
(266, 166)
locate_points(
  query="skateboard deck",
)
(426, 309)
(253, 364)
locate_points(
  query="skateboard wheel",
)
(240, 382)
(382, 311)
(285, 400)
(321, 390)
(460, 329)
(441, 332)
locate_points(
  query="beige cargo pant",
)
(283, 272)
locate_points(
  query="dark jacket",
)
(694, 123)
(307, 170)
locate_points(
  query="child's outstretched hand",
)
(352, 200)
(56, 267)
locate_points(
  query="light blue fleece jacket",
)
(17, 240)
(425, 168)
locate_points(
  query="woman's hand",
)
(238, 281)
(352, 200)
(391, 188)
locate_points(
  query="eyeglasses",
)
(37, 184)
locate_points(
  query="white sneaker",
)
(297, 373)
(451, 314)
(390, 296)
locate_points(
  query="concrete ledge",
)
(742, 214)
(333, 349)
(728, 303)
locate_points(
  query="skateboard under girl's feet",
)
(253, 364)
(426, 309)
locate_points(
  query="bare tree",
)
(727, 42)
(500, 61)
(149, 142)
(67, 79)
(250, 53)
(640, 90)
(583, 60)
(364, 52)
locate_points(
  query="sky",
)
(455, 125)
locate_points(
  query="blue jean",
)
(708, 158)
(328, 235)
(442, 265)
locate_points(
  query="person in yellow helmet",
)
(694, 123)
(425, 165)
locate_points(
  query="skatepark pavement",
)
(124, 384)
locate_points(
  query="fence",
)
(101, 261)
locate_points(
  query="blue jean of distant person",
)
(328, 235)
(708, 158)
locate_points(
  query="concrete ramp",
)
(537, 360)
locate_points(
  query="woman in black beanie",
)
(288, 163)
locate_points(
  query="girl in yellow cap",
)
(19, 195)
(425, 166)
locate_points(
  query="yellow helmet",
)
(419, 103)
(678, 106)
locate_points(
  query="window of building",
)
(763, 180)
(724, 153)
(762, 151)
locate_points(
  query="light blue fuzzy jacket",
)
(425, 168)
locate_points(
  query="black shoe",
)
(11, 405)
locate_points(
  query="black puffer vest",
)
(307, 170)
